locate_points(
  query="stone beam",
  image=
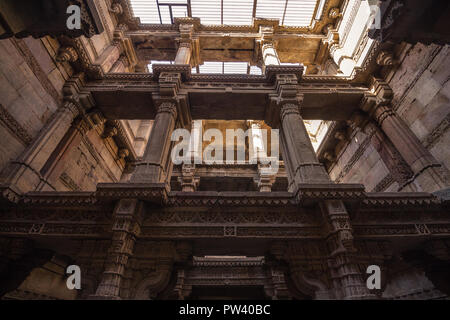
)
(215, 96)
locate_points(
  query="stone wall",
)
(29, 92)
(421, 97)
(31, 85)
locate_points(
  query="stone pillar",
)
(269, 54)
(156, 163)
(398, 168)
(183, 54)
(347, 279)
(298, 152)
(195, 143)
(142, 135)
(429, 175)
(125, 229)
(267, 43)
(24, 174)
(256, 143)
(57, 161)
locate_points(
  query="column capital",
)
(382, 112)
(184, 43)
(186, 35)
(71, 106)
(168, 107)
(289, 108)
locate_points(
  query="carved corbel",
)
(67, 54)
(116, 8)
(188, 180)
(155, 281)
(308, 284)
(334, 13)
(385, 58)
(123, 153)
(264, 181)
(329, 156)
(109, 131)
(358, 120)
(97, 117)
(382, 91)
(341, 135)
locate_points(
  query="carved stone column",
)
(185, 44)
(257, 144)
(24, 173)
(298, 153)
(345, 274)
(183, 54)
(142, 135)
(267, 43)
(56, 163)
(269, 54)
(195, 143)
(156, 163)
(398, 168)
(428, 173)
(125, 229)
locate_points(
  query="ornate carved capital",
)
(168, 107)
(289, 108)
(382, 112)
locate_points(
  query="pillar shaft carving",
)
(24, 174)
(298, 153)
(156, 164)
(125, 229)
(344, 271)
(397, 166)
(185, 44)
(420, 160)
